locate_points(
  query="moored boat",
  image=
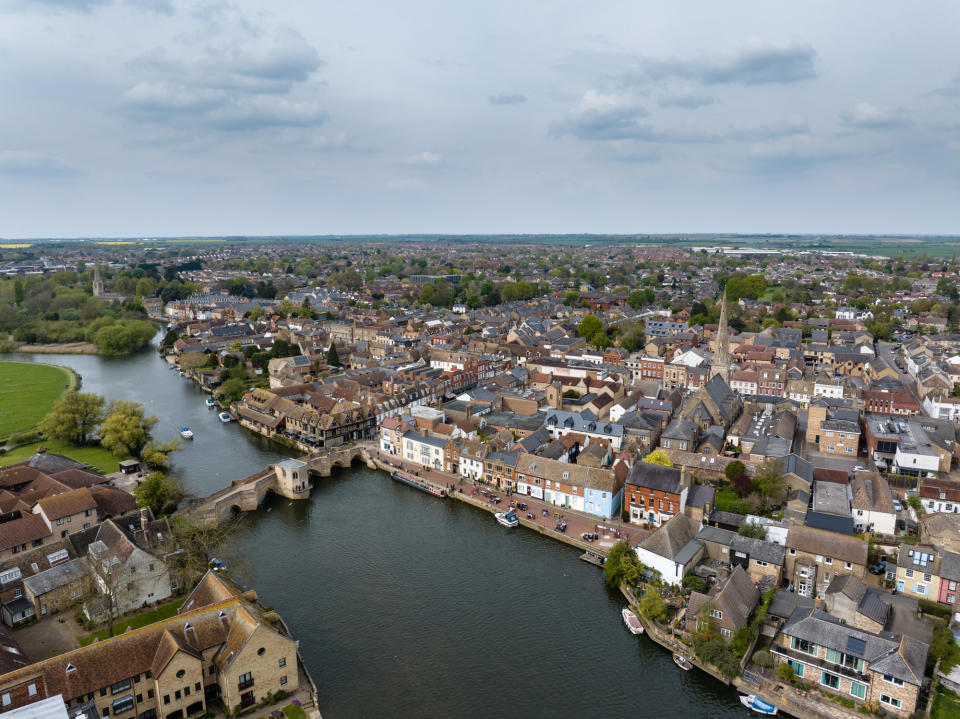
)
(507, 519)
(225, 417)
(186, 433)
(754, 703)
(420, 484)
(632, 621)
(682, 662)
(211, 402)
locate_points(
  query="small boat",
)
(186, 433)
(225, 417)
(211, 402)
(507, 519)
(632, 622)
(754, 703)
(682, 662)
(414, 481)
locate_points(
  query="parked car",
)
(878, 568)
(860, 468)
(897, 506)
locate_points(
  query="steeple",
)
(721, 357)
(97, 282)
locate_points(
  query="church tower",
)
(721, 357)
(97, 282)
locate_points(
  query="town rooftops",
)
(67, 503)
(827, 544)
(656, 477)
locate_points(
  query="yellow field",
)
(13, 245)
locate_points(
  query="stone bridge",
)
(289, 478)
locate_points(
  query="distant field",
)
(28, 391)
(95, 456)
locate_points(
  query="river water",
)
(410, 606)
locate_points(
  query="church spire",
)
(97, 282)
(721, 357)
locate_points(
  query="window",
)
(32, 690)
(895, 703)
(893, 680)
(828, 560)
(909, 574)
(920, 589)
(726, 633)
(245, 681)
(6, 699)
(261, 651)
(283, 681)
(177, 694)
(283, 661)
(792, 552)
(848, 565)
(120, 686)
(830, 680)
(802, 645)
(927, 577)
(122, 704)
(858, 690)
(716, 614)
(166, 698)
(797, 668)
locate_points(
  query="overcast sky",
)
(190, 117)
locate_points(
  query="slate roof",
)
(759, 549)
(901, 657)
(672, 537)
(655, 476)
(58, 576)
(827, 544)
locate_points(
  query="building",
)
(842, 659)
(673, 549)
(592, 490)
(655, 493)
(918, 571)
(727, 609)
(815, 556)
(871, 504)
(221, 644)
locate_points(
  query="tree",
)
(947, 287)
(637, 299)
(735, 470)
(771, 485)
(600, 340)
(659, 457)
(633, 339)
(201, 543)
(161, 494)
(652, 605)
(157, 456)
(755, 530)
(786, 674)
(232, 390)
(126, 430)
(333, 358)
(122, 337)
(915, 504)
(73, 417)
(589, 326)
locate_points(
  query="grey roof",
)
(700, 495)
(830, 522)
(50, 463)
(716, 535)
(585, 422)
(901, 657)
(655, 476)
(759, 549)
(785, 602)
(729, 518)
(432, 441)
(950, 566)
(874, 607)
(55, 577)
(673, 537)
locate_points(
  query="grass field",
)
(27, 391)
(94, 455)
(164, 611)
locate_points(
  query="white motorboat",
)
(632, 621)
(186, 433)
(225, 417)
(682, 662)
(754, 703)
(507, 519)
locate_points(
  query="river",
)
(410, 606)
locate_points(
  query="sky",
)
(146, 118)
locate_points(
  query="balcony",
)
(823, 664)
(245, 684)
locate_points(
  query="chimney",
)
(144, 519)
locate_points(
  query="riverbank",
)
(66, 348)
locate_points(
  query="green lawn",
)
(28, 391)
(945, 704)
(94, 455)
(294, 712)
(164, 611)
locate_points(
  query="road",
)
(887, 351)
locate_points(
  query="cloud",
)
(762, 133)
(161, 7)
(507, 98)
(25, 164)
(57, 5)
(687, 99)
(865, 116)
(795, 153)
(602, 116)
(756, 64)
(952, 89)
(424, 159)
(244, 86)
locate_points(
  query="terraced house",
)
(222, 644)
(586, 489)
(850, 662)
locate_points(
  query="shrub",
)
(785, 673)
